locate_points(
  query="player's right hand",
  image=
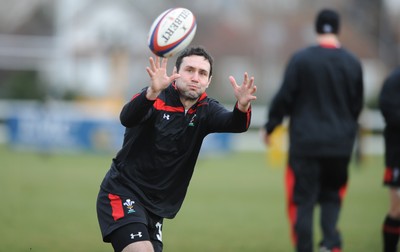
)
(159, 78)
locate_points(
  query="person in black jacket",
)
(322, 94)
(389, 104)
(165, 126)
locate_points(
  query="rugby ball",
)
(171, 32)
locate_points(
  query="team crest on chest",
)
(191, 123)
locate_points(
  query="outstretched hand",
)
(265, 136)
(245, 92)
(159, 78)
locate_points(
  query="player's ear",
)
(209, 81)
(175, 70)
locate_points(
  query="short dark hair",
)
(198, 50)
(327, 21)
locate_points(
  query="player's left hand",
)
(245, 92)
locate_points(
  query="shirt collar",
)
(329, 45)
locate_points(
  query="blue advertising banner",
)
(45, 130)
(53, 130)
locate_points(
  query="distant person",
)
(165, 126)
(322, 94)
(389, 104)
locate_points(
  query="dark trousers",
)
(312, 181)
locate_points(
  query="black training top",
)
(161, 145)
(389, 103)
(322, 93)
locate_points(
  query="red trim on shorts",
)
(291, 206)
(342, 192)
(116, 206)
(388, 175)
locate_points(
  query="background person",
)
(389, 104)
(322, 93)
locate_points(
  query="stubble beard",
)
(190, 95)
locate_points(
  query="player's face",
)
(195, 76)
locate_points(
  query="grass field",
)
(235, 203)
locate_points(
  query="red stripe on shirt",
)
(160, 105)
(116, 206)
(202, 96)
(136, 95)
(248, 114)
(329, 45)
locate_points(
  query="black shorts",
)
(127, 215)
(391, 176)
(316, 176)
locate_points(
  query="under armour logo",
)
(165, 116)
(139, 234)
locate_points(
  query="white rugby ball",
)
(171, 32)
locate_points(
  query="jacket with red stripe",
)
(161, 145)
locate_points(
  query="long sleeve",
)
(282, 103)
(357, 99)
(134, 111)
(223, 120)
(389, 101)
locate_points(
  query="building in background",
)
(97, 49)
(94, 52)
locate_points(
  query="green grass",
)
(235, 203)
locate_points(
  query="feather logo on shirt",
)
(191, 123)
